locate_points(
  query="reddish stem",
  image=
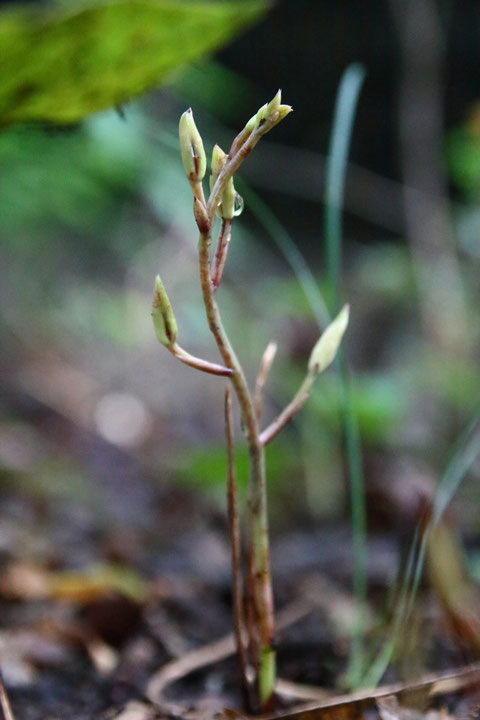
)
(235, 545)
(221, 252)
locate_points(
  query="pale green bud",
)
(250, 126)
(227, 210)
(282, 112)
(274, 104)
(262, 114)
(326, 347)
(191, 147)
(272, 108)
(227, 206)
(162, 314)
(219, 159)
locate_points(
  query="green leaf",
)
(62, 64)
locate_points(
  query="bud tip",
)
(326, 347)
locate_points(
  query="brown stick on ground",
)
(234, 532)
(5, 702)
(199, 658)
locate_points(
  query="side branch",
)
(265, 365)
(238, 153)
(290, 411)
(198, 363)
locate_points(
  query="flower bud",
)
(164, 321)
(271, 109)
(282, 112)
(227, 207)
(191, 147)
(250, 126)
(219, 159)
(274, 104)
(261, 116)
(326, 347)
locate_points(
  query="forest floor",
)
(118, 606)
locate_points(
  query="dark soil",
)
(87, 652)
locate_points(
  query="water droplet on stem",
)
(238, 206)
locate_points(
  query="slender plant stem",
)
(235, 545)
(258, 553)
(221, 252)
(198, 363)
(289, 411)
(257, 502)
(197, 191)
(239, 151)
(259, 580)
(252, 629)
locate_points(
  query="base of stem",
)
(266, 677)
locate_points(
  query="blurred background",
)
(110, 448)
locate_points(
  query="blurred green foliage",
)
(90, 214)
(463, 157)
(63, 63)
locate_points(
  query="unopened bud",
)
(250, 126)
(226, 208)
(261, 116)
(162, 314)
(282, 112)
(191, 147)
(273, 111)
(219, 159)
(274, 104)
(326, 347)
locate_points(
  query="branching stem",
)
(221, 252)
(259, 559)
(239, 151)
(198, 363)
(290, 411)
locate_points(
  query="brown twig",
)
(234, 532)
(214, 652)
(265, 366)
(5, 702)
(290, 411)
(221, 252)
